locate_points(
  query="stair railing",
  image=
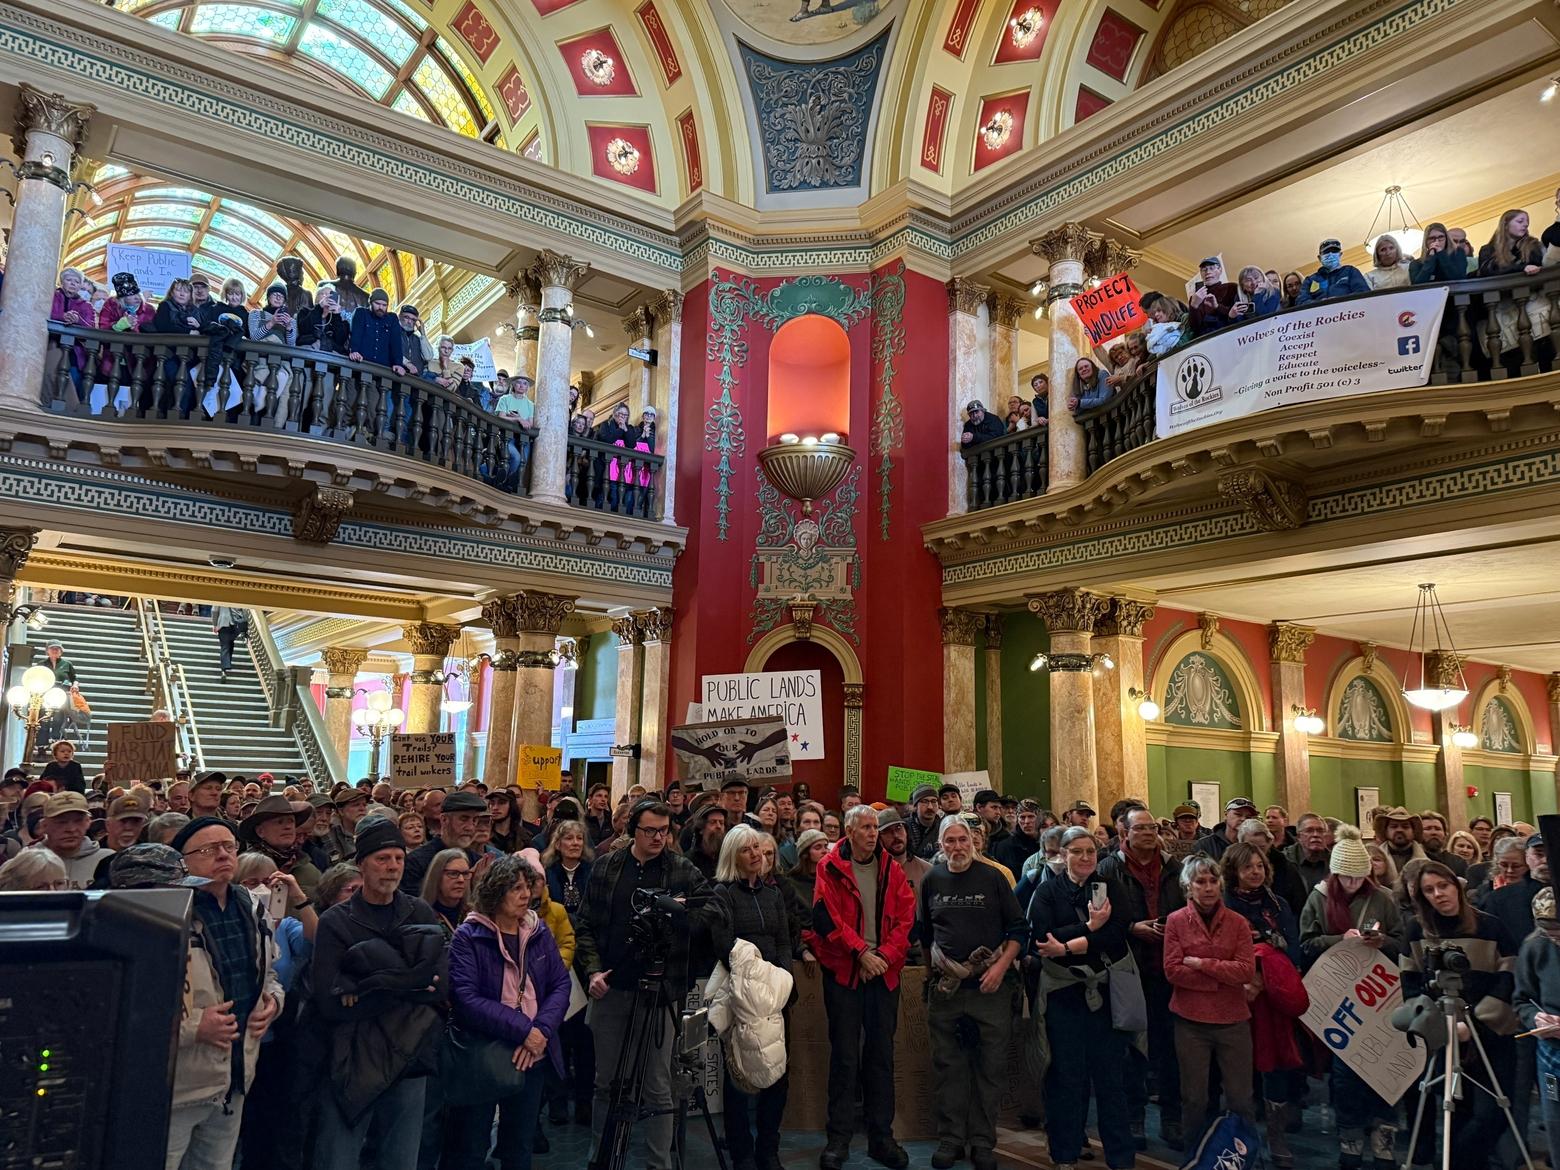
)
(292, 705)
(166, 681)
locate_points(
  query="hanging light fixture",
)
(1449, 687)
(1409, 239)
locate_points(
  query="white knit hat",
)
(1349, 856)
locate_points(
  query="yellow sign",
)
(539, 767)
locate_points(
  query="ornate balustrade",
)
(1014, 467)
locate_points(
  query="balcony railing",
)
(254, 386)
(1482, 315)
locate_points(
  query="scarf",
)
(285, 859)
(1340, 912)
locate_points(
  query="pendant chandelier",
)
(1431, 635)
(1410, 236)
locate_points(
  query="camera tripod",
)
(1452, 1080)
(626, 1108)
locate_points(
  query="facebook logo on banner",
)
(1408, 345)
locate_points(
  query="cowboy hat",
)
(1378, 821)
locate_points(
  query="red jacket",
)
(1273, 1013)
(837, 936)
(1211, 994)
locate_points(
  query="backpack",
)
(1231, 1143)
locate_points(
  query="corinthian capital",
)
(627, 631)
(502, 615)
(637, 324)
(16, 545)
(1069, 610)
(49, 113)
(1125, 617)
(655, 625)
(554, 270)
(959, 626)
(542, 613)
(1006, 310)
(966, 295)
(430, 638)
(1288, 642)
(1107, 257)
(668, 307)
(1068, 242)
(343, 659)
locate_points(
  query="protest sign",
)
(903, 781)
(422, 760)
(481, 354)
(1111, 310)
(539, 766)
(793, 695)
(969, 784)
(141, 751)
(707, 753)
(1354, 990)
(154, 269)
(1329, 350)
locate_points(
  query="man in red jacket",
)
(862, 913)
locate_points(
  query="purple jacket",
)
(477, 985)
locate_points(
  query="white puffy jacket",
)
(745, 996)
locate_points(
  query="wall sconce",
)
(1146, 707)
(1463, 738)
(1307, 721)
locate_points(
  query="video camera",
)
(1444, 968)
(653, 930)
(1425, 1016)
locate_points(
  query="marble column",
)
(502, 615)
(1071, 615)
(1287, 644)
(993, 664)
(477, 692)
(1554, 721)
(959, 627)
(655, 717)
(49, 129)
(1004, 313)
(667, 391)
(968, 378)
(430, 643)
(1443, 668)
(556, 275)
(1064, 249)
(639, 329)
(540, 617)
(1120, 738)
(625, 714)
(527, 301)
(341, 666)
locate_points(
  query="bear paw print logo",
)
(1194, 377)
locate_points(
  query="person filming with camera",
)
(1455, 950)
(611, 960)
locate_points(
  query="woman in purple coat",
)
(507, 982)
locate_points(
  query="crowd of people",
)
(1214, 302)
(356, 953)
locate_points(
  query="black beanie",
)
(379, 833)
(182, 837)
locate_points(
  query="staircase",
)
(233, 716)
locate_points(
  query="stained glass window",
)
(473, 86)
(439, 90)
(384, 33)
(223, 271)
(334, 50)
(409, 14)
(168, 19)
(405, 103)
(231, 225)
(157, 234)
(242, 20)
(178, 212)
(408, 268)
(265, 219)
(173, 193)
(108, 172)
(343, 244)
(243, 257)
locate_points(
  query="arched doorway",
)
(839, 670)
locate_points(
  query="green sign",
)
(903, 781)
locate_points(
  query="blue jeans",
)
(395, 1119)
(1087, 1053)
(470, 1127)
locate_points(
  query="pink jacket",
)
(1212, 994)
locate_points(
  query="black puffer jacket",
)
(757, 914)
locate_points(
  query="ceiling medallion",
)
(997, 129)
(599, 67)
(1026, 27)
(623, 156)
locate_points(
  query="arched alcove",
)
(1501, 720)
(840, 672)
(809, 378)
(1361, 716)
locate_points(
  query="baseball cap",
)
(1211, 262)
(346, 794)
(889, 816)
(208, 778)
(1185, 810)
(1329, 246)
(1240, 802)
(975, 404)
(988, 796)
(150, 864)
(947, 788)
(734, 782)
(1081, 806)
(1536, 841)
(129, 806)
(64, 803)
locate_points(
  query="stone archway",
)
(850, 668)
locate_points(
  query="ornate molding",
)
(1125, 618)
(1554, 687)
(655, 625)
(16, 545)
(1070, 241)
(1288, 642)
(853, 695)
(1368, 652)
(555, 270)
(345, 660)
(994, 631)
(1444, 669)
(959, 626)
(541, 613)
(966, 295)
(1108, 257)
(627, 631)
(1276, 504)
(1208, 623)
(317, 517)
(637, 325)
(1503, 678)
(802, 618)
(502, 615)
(430, 638)
(1068, 610)
(888, 418)
(667, 308)
(1006, 310)
(49, 113)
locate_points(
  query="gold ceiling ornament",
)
(622, 156)
(598, 66)
(806, 470)
(1026, 26)
(1368, 652)
(1209, 624)
(998, 129)
(802, 610)
(1288, 642)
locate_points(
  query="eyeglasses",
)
(457, 873)
(220, 848)
(659, 831)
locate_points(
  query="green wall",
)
(1532, 792)
(1171, 771)
(1026, 711)
(595, 691)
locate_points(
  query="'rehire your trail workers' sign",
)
(1354, 990)
(1111, 310)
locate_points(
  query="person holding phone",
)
(1075, 930)
(1350, 907)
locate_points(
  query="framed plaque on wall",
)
(1503, 808)
(1366, 801)
(1206, 794)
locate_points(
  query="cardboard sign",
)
(141, 751)
(903, 781)
(480, 352)
(1111, 310)
(539, 766)
(793, 695)
(1354, 990)
(708, 753)
(969, 783)
(423, 761)
(154, 269)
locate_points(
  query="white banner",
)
(154, 269)
(1354, 990)
(481, 354)
(1329, 350)
(793, 695)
